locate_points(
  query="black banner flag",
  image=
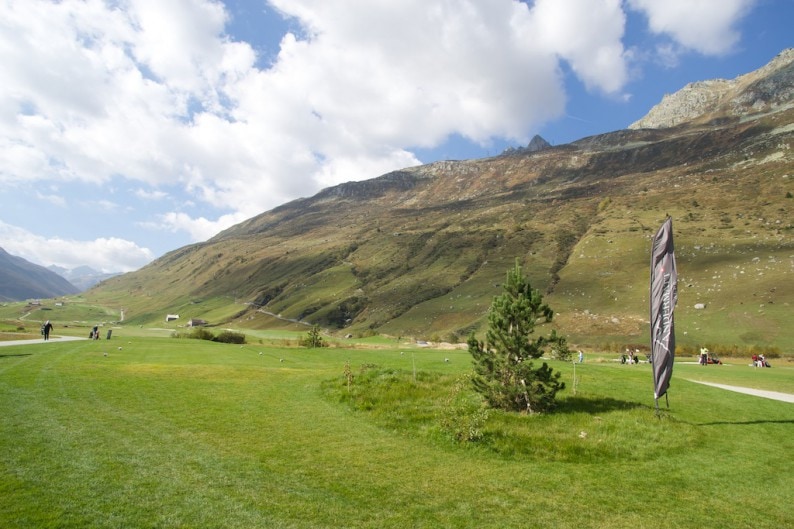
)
(664, 295)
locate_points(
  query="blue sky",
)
(130, 128)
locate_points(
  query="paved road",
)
(776, 395)
(41, 340)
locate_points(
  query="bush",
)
(197, 333)
(313, 339)
(200, 333)
(463, 414)
(230, 337)
(453, 337)
(559, 347)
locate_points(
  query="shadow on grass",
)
(18, 354)
(594, 405)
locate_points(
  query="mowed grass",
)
(185, 433)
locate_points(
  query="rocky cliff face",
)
(767, 88)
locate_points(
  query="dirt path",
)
(775, 395)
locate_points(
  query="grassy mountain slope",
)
(422, 251)
(20, 279)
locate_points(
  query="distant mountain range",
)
(20, 280)
(83, 277)
(422, 251)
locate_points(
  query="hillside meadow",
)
(422, 251)
(145, 430)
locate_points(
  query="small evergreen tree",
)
(313, 339)
(504, 372)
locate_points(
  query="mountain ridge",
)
(20, 280)
(758, 91)
(423, 249)
(82, 277)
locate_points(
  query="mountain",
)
(422, 251)
(764, 90)
(21, 280)
(83, 277)
(537, 143)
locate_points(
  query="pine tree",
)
(505, 374)
(313, 338)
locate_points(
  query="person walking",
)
(45, 329)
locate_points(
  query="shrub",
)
(197, 333)
(230, 337)
(313, 339)
(453, 337)
(463, 414)
(559, 347)
(200, 333)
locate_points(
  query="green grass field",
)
(166, 433)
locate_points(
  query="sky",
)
(130, 128)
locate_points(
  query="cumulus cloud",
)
(586, 34)
(705, 26)
(164, 95)
(102, 254)
(200, 229)
(159, 94)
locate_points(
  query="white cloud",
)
(103, 254)
(54, 199)
(588, 35)
(158, 94)
(150, 195)
(164, 96)
(705, 26)
(200, 229)
(106, 205)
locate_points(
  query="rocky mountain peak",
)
(536, 144)
(769, 87)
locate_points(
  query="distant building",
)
(195, 322)
(171, 317)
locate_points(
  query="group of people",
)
(760, 361)
(47, 327)
(631, 357)
(707, 358)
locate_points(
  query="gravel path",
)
(776, 395)
(41, 340)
